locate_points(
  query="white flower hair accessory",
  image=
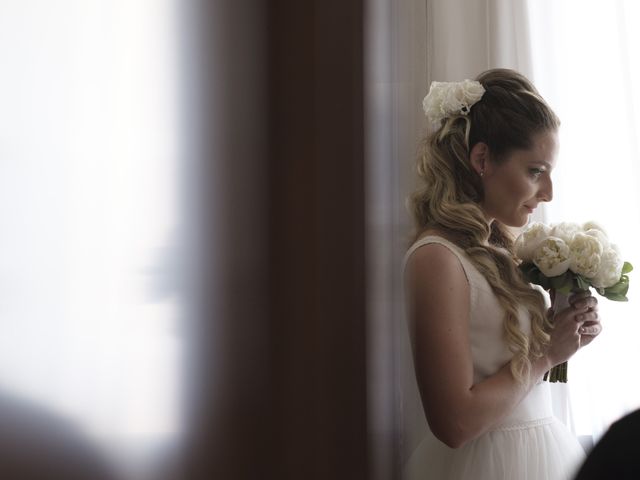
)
(448, 98)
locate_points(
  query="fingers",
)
(588, 321)
(583, 301)
(584, 311)
(587, 316)
(577, 297)
(581, 320)
(589, 333)
(590, 330)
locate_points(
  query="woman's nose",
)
(545, 194)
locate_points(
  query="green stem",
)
(557, 373)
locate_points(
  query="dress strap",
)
(467, 266)
(429, 239)
(473, 275)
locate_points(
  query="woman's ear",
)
(479, 157)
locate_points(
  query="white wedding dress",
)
(529, 444)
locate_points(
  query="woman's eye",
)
(536, 172)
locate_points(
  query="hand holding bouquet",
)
(567, 258)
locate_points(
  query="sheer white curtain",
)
(394, 85)
(89, 316)
(467, 37)
(589, 70)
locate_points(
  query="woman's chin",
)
(517, 222)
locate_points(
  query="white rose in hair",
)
(529, 240)
(552, 257)
(610, 269)
(451, 98)
(433, 103)
(565, 231)
(585, 252)
(469, 92)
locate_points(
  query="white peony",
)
(447, 98)
(610, 269)
(600, 235)
(565, 231)
(433, 103)
(469, 92)
(585, 252)
(529, 240)
(552, 256)
(593, 226)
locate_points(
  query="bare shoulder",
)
(435, 261)
(437, 288)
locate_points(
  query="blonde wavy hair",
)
(507, 117)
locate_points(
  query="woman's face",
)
(515, 187)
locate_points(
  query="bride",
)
(481, 338)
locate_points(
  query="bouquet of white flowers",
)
(567, 258)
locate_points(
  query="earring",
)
(481, 173)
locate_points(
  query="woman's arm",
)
(456, 409)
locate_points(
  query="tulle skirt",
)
(521, 448)
(541, 451)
